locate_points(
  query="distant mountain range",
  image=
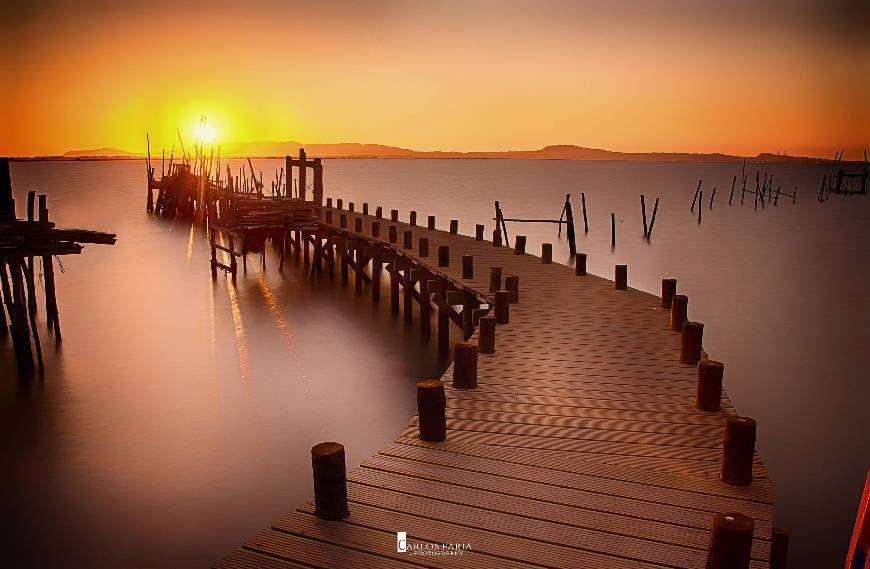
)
(266, 149)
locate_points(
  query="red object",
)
(859, 548)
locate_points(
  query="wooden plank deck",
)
(581, 447)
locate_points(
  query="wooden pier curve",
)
(580, 447)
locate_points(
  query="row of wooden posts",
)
(731, 533)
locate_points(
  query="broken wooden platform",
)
(581, 446)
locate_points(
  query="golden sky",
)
(472, 75)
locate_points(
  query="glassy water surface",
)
(176, 418)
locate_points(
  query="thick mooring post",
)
(738, 447)
(408, 240)
(431, 405)
(394, 215)
(547, 253)
(379, 212)
(465, 365)
(394, 234)
(494, 279)
(512, 284)
(468, 266)
(443, 255)
(423, 246)
(454, 227)
(709, 394)
(621, 277)
(303, 173)
(669, 289)
(690, 342)
(679, 311)
(431, 222)
(478, 232)
(730, 541)
(351, 207)
(330, 481)
(412, 218)
(779, 548)
(365, 208)
(520, 245)
(496, 238)
(486, 336)
(580, 264)
(502, 306)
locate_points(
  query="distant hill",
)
(264, 149)
(100, 153)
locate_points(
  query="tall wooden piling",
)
(669, 289)
(486, 337)
(738, 448)
(502, 301)
(454, 227)
(679, 311)
(412, 218)
(620, 281)
(494, 279)
(585, 219)
(709, 392)
(690, 342)
(643, 213)
(612, 229)
(547, 253)
(330, 481)
(431, 405)
(465, 365)
(430, 223)
(580, 265)
(478, 232)
(520, 245)
(394, 215)
(730, 541)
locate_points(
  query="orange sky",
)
(484, 75)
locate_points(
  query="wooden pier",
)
(576, 442)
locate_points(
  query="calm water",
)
(176, 419)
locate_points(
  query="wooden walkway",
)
(581, 447)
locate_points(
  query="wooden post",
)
(454, 227)
(365, 210)
(580, 264)
(431, 222)
(779, 548)
(468, 266)
(502, 306)
(669, 289)
(341, 249)
(569, 219)
(394, 288)
(738, 446)
(408, 293)
(408, 239)
(486, 337)
(423, 246)
(512, 284)
(469, 304)
(394, 234)
(547, 253)
(377, 268)
(379, 212)
(690, 342)
(700, 206)
(731, 196)
(330, 482)
(652, 221)
(520, 245)
(376, 229)
(329, 202)
(585, 220)
(357, 224)
(303, 173)
(394, 215)
(494, 279)
(350, 207)
(318, 181)
(643, 212)
(478, 232)
(329, 217)
(620, 281)
(342, 223)
(443, 328)
(612, 229)
(425, 309)
(695, 197)
(443, 255)
(709, 393)
(339, 204)
(431, 405)
(679, 311)
(359, 259)
(464, 365)
(730, 541)
(496, 238)
(412, 218)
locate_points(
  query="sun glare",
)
(205, 133)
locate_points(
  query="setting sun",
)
(205, 133)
